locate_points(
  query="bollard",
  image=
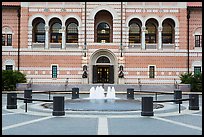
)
(194, 102)
(177, 95)
(28, 94)
(130, 93)
(147, 106)
(75, 93)
(11, 101)
(58, 106)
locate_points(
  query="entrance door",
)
(103, 74)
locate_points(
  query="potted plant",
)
(12, 78)
(191, 82)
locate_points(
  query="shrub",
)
(194, 79)
(10, 78)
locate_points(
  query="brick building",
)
(102, 42)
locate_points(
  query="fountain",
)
(98, 100)
(99, 93)
(110, 93)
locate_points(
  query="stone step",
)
(87, 87)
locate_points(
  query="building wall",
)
(10, 19)
(195, 28)
(10, 26)
(169, 63)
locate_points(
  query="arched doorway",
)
(103, 72)
(103, 67)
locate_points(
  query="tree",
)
(10, 78)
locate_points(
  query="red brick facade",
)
(136, 59)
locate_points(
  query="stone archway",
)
(103, 67)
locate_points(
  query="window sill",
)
(107, 44)
(7, 47)
(198, 48)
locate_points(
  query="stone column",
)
(126, 37)
(143, 37)
(63, 37)
(46, 37)
(160, 38)
(176, 29)
(30, 36)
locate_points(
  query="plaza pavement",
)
(39, 120)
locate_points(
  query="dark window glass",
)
(56, 37)
(150, 36)
(40, 38)
(103, 33)
(9, 39)
(197, 69)
(3, 40)
(56, 27)
(134, 33)
(9, 67)
(151, 71)
(54, 71)
(40, 32)
(40, 28)
(167, 33)
(72, 33)
(103, 59)
(198, 40)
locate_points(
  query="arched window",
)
(198, 37)
(167, 33)
(103, 33)
(39, 32)
(9, 65)
(150, 36)
(134, 33)
(72, 33)
(103, 59)
(7, 36)
(56, 37)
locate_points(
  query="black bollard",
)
(11, 101)
(75, 93)
(177, 95)
(147, 106)
(130, 93)
(194, 102)
(58, 106)
(28, 94)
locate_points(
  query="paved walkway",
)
(39, 120)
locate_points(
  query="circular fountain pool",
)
(102, 105)
(99, 101)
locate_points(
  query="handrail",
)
(173, 100)
(147, 91)
(29, 99)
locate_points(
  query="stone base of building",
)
(84, 80)
(121, 81)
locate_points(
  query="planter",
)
(21, 86)
(184, 87)
(84, 80)
(121, 81)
